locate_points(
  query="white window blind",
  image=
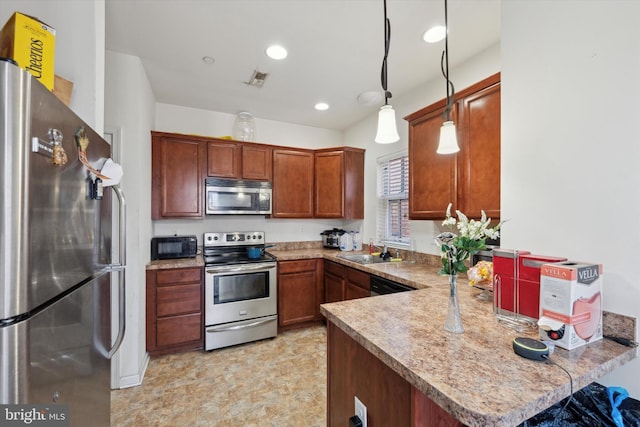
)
(393, 199)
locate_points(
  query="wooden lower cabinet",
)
(174, 310)
(334, 282)
(390, 400)
(358, 284)
(343, 283)
(353, 371)
(176, 330)
(300, 293)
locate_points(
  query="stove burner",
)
(234, 258)
(228, 248)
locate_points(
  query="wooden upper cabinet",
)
(479, 178)
(256, 162)
(178, 165)
(238, 160)
(470, 179)
(339, 183)
(292, 183)
(432, 177)
(224, 159)
(181, 163)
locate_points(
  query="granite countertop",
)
(474, 376)
(164, 264)
(417, 275)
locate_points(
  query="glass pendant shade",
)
(387, 131)
(448, 140)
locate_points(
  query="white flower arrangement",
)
(472, 237)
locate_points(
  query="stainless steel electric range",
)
(240, 289)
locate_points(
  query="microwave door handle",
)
(233, 189)
(242, 268)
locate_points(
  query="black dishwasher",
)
(381, 286)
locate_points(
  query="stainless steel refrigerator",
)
(56, 266)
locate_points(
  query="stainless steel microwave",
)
(233, 197)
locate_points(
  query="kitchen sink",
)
(362, 258)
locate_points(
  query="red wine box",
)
(571, 303)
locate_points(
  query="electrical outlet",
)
(361, 411)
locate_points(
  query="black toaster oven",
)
(170, 247)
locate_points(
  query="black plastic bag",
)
(589, 407)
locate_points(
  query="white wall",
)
(130, 108)
(569, 141)
(362, 134)
(172, 118)
(79, 53)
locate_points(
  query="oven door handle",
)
(243, 268)
(236, 327)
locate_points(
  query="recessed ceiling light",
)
(321, 106)
(434, 34)
(276, 52)
(208, 60)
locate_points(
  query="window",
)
(393, 199)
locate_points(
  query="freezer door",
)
(59, 355)
(58, 236)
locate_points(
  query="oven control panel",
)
(236, 238)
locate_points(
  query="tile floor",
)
(276, 382)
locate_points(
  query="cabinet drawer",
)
(179, 329)
(178, 275)
(178, 299)
(359, 278)
(285, 267)
(334, 268)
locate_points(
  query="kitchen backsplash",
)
(406, 255)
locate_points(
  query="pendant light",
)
(448, 140)
(387, 131)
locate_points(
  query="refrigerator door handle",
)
(121, 267)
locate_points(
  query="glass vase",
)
(244, 127)
(453, 323)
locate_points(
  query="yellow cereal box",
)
(31, 43)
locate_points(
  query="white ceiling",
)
(335, 51)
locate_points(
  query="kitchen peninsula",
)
(392, 353)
